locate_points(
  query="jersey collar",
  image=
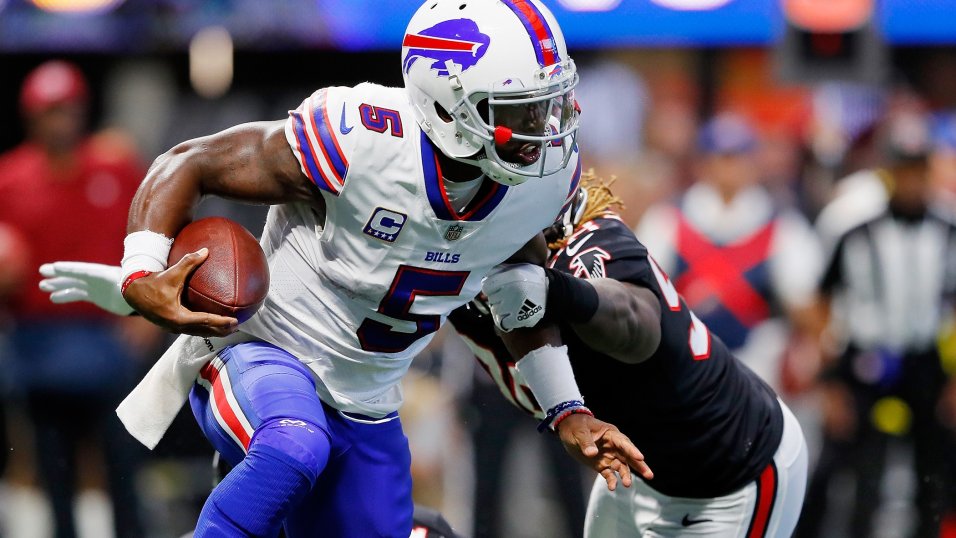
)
(489, 195)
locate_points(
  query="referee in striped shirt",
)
(890, 280)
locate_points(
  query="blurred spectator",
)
(839, 139)
(14, 268)
(942, 164)
(741, 261)
(612, 94)
(857, 191)
(843, 113)
(889, 280)
(67, 192)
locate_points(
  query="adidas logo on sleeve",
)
(528, 309)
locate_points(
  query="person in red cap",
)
(53, 83)
(67, 191)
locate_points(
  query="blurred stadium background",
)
(814, 78)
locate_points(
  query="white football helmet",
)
(488, 74)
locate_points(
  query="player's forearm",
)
(522, 341)
(546, 368)
(626, 324)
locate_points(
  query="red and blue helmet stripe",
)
(542, 38)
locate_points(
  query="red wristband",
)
(129, 280)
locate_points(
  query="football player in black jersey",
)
(729, 458)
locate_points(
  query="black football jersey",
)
(706, 424)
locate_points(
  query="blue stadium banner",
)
(360, 24)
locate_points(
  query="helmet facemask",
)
(516, 123)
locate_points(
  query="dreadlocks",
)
(600, 199)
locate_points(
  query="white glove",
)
(517, 294)
(67, 282)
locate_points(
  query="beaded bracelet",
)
(568, 413)
(557, 410)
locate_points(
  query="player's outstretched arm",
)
(626, 323)
(593, 442)
(545, 365)
(616, 318)
(251, 162)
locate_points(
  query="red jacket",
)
(74, 211)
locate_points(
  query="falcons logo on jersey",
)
(590, 263)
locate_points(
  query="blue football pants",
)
(332, 473)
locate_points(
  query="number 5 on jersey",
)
(380, 119)
(409, 282)
(699, 337)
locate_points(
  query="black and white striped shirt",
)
(893, 277)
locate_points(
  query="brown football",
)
(234, 279)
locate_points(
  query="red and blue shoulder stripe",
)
(321, 154)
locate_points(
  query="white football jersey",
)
(357, 297)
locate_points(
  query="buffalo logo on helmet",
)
(458, 41)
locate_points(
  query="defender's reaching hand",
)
(96, 283)
(158, 297)
(602, 447)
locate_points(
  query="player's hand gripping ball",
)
(234, 279)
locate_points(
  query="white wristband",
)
(145, 251)
(547, 372)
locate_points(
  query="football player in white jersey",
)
(390, 206)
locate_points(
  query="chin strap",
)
(492, 169)
(500, 173)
